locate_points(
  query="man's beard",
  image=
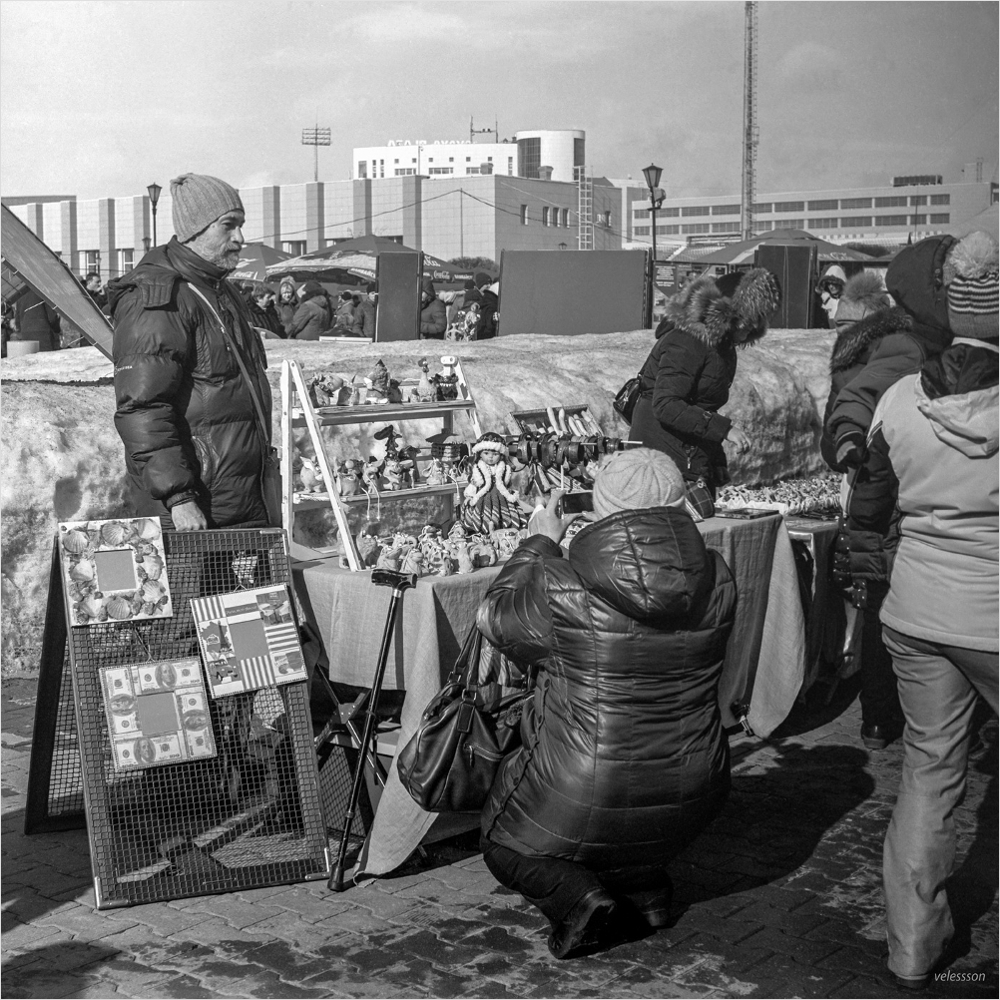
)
(226, 259)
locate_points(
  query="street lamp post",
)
(652, 174)
(154, 190)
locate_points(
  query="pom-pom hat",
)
(198, 200)
(863, 294)
(971, 272)
(490, 442)
(637, 479)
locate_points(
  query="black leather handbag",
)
(628, 396)
(450, 762)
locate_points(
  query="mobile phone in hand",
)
(579, 502)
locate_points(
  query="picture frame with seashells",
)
(114, 570)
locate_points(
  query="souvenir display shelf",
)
(297, 410)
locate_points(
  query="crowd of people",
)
(624, 760)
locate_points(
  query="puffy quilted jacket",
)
(623, 758)
(184, 410)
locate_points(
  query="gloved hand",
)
(851, 449)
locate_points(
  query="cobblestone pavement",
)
(781, 897)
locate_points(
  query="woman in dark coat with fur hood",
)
(624, 760)
(687, 376)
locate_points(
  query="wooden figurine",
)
(426, 392)
(446, 380)
(312, 478)
(371, 475)
(349, 478)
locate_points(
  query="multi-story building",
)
(546, 155)
(916, 206)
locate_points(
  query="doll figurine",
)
(312, 478)
(489, 503)
(349, 477)
(371, 475)
(393, 473)
(434, 476)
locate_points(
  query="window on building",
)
(640, 213)
(451, 159)
(468, 159)
(855, 203)
(891, 201)
(725, 210)
(940, 199)
(641, 230)
(725, 227)
(545, 215)
(510, 166)
(822, 223)
(579, 152)
(524, 215)
(890, 220)
(295, 247)
(362, 169)
(489, 159)
(555, 217)
(698, 227)
(668, 230)
(441, 170)
(789, 206)
(695, 210)
(918, 199)
(405, 171)
(414, 160)
(944, 217)
(763, 208)
(90, 260)
(669, 213)
(824, 205)
(127, 258)
(381, 168)
(395, 161)
(565, 215)
(918, 220)
(789, 223)
(856, 220)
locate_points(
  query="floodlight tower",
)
(748, 194)
(316, 137)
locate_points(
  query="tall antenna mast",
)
(748, 194)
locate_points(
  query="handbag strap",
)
(466, 669)
(265, 437)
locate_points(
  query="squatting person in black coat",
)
(195, 448)
(624, 760)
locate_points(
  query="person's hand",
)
(738, 439)
(188, 517)
(545, 520)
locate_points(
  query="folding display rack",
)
(297, 411)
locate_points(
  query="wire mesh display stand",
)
(297, 410)
(250, 816)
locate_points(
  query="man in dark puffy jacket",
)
(624, 760)
(313, 317)
(433, 315)
(193, 402)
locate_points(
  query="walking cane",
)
(399, 582)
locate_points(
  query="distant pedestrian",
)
(35, 319)
(312, 317)
(433, 315)
(286, 303)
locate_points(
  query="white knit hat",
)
(198, 200)
(636, 479)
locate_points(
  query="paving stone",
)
(184, 988)
(267, 984)
(165, 920)
(235, 912)
(32, 982)
(79, 922)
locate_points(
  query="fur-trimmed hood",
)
(703, 311)
(855, 340)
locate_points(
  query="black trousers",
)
(555, 886)
(879, 694)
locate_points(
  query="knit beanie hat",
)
(198, 200)
(482, 278)
(973, 290)
(636, 479)
(863, 294)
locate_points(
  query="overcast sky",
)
(101, 98)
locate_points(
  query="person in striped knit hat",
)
(931, 491)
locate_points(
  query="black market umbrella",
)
(255, 259)
(743, 252)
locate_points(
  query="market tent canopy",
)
(987, 222)
(743, 252)
(28, 260)
(357, 259)
(255, 258)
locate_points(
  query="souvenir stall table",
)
(762, 675)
